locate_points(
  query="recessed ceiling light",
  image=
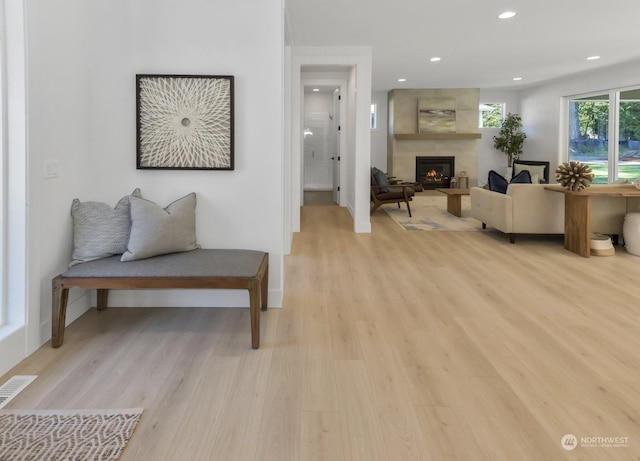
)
(517, 78)
(316, 89)
(435, 59)
(593, 58)
(507, 15)
(402, 79)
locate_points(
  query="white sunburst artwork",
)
(185, 122)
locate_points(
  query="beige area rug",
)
(53, 435)
(430, 214)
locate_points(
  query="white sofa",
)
(531, 209)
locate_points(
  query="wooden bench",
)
(202, 268)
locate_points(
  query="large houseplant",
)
(510, 140)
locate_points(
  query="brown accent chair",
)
(382, 194)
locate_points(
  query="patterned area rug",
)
(430, 213)
(96, 435)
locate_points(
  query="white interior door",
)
(336, 147)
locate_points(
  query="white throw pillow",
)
(100, 231)
(157, 231)
(533, 170)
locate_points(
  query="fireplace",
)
(435, 172)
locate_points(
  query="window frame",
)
(13, 142)
(3, 169)
(503, 106)
(613, 140)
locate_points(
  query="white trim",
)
(3, 173)
(358, 59)
(342, 85)
(613, 142)
(613, 145)
(15, 334)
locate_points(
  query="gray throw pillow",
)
(100, 231)
(157, 231)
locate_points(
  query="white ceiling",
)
(547, 38)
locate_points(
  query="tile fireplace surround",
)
(405, 144)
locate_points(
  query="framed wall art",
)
(184, 122)
(437, 115)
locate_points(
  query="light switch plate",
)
(51, 169)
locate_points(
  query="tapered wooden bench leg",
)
(58, 311)
(103, 295)
(265, 287)
(254, 306)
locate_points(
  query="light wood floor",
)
(320, 197)
(392, 346)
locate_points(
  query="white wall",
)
(58, 126)
(541, 108)
(206, 38)
(488, 157)
(82, 62)
(379, 135)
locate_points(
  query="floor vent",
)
(13, 387)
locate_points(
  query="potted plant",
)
(510, 139)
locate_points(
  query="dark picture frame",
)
(184, 122)
(526, 163)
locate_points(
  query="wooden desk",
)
(454, 200)
(577, 213)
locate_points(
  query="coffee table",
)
(454, 200)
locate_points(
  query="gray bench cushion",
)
(196, 263)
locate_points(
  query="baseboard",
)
(13, 348)
(187, 298)
(75, 308)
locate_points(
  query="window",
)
(3, 169)
(373, 124)
(13, 169)
(629, 135)
(594, 121)
(491, 114)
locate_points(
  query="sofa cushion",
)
(381, 179)
(523, 177)
(156, 231)
(100, 231)
(497, 182)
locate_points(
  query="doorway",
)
(321, 144)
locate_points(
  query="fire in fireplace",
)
(435, 172)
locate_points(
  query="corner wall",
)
(488, 157)
(82, 62)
